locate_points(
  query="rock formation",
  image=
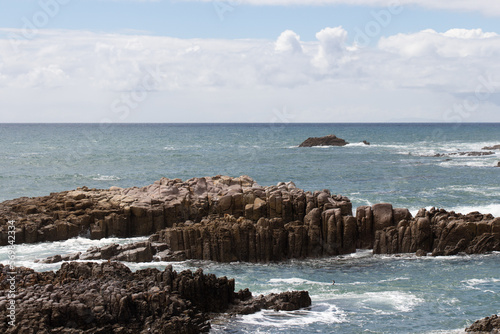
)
(494, 147)
(234, 219)
(330, 140)
(489, 325)
(440, 233)
(467, 154)
(109, 298)
(144, 211)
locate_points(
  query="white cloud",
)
(85, 76)
(288, 41)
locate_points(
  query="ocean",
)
(372, 293)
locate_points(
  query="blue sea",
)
(372, 294)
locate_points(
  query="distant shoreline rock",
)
(495, 147)
(467, 154)
(330, 140)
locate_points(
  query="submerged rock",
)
(330, 140)
(109, 298)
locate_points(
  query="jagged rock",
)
(498, 164)
(109, 298)
(366, 142)
(494, 147)
(441, 233)
(330, 140)
(144, 211)
(143, 251)
(489, 325)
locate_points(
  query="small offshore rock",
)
(330, 140)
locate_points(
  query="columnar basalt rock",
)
(109, 298)
(441, 233)
(144, 211)
(234, 219)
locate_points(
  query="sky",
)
(118, 61)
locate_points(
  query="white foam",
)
(295, 281)
(169, 148)
(493, 209)
(320, 313)
(380, 301)
(26, 254)
(360, 144)
(100, 177)
(479, 284)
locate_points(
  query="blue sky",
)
(247, 60)
(228, 19)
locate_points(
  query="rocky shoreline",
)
(109, 298)
(217, 218)
(234, 219)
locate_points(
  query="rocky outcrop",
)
(143, 251)
(330, 140)
(494, 147)
(144, 211)
(467, 154)
(234, 219)
(489, 325)
(109, 298)
(366, 142)
(439, 232)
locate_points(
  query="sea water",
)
(371, 294)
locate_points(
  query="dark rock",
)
(468, 154)
(366, 142)
(109, 298)
(494, 147)
(498, 164)
(330, 140)
(489, 325)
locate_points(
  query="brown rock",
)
(329, 140)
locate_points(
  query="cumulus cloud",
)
(241, 78)
(450, 44)
(332, 46)
(288, 41)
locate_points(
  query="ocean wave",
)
(100, 177)
(360, 144)
(385, 302)
(169, 148)
(319, 313)
(493, 209)
(296, 281)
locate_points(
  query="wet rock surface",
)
(109, 298)
(330, 140)
(489, 325)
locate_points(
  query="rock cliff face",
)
(330, 140)
(109, 298)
